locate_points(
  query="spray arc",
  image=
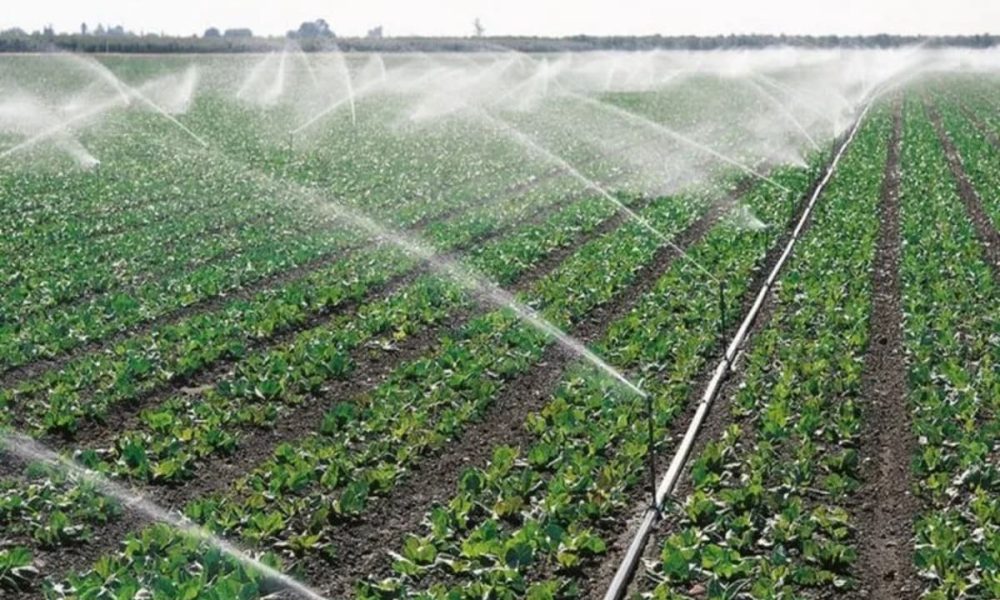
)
(31, 451)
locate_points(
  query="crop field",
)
(494, 325)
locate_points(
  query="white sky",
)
(528, 17)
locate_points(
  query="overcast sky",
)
(529, 17)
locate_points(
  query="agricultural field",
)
(494, 325)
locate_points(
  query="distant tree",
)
(477, 26)
(239, 32)
(117, 31)
(375, 33)
(99, 30)
(48, 31)
(312, 29)
(212, 32)
(83, 29)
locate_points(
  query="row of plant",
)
(146, 190)
(69, 287)
(175, 436)
(952, 305)
(436, 386)
(107, 271)
(119, 310)
(978, 155)
(263, 504)
(46, 508)
(767, 512)
(54, 331)
(365, 444)
(87, 386)
(318, 355)
(321, 351)
(533, 521)
(509, 256)
(43, 511)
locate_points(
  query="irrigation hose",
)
(626, 569)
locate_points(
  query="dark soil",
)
(885, 508)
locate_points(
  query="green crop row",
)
(952, 305)
(530, 523)
(979, 157)
(55, 331)
(767, 514)
(47, 509)
(442, 392)
(183, 431)
(88, 386)
(187, 428)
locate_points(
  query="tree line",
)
(317, 36)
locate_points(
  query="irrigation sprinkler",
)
(722, 308)
(651, 451)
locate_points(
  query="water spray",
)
(783, 110)
(491, 292)
(30, 450)
(278, 85)
(479, 285)
(103, 72)
(476, 283)
(59, 128)
(128, 93)
(352, 96)
(531, 144)
(304, 58)
(326, 111)
(346, 74)
(663, 130)
(795, 96)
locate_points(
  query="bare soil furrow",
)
(884, 508)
